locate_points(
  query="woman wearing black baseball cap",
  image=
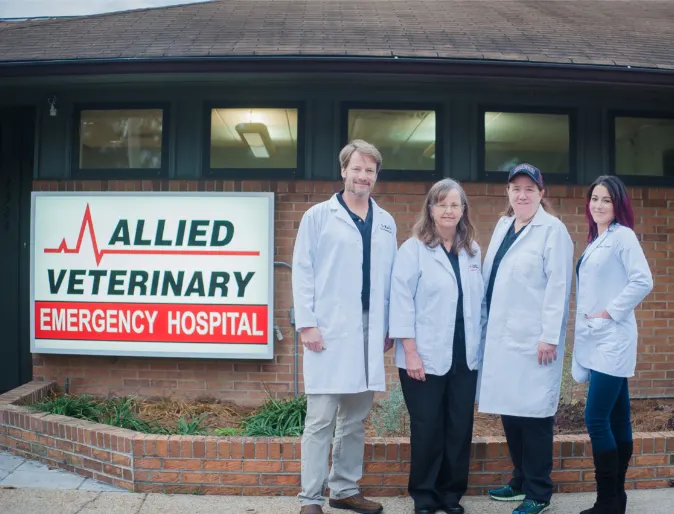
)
(528, 272)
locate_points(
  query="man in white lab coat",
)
(341, 278)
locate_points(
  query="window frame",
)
(569, 177)
(120, 173)
(299, 172)
(407, 175)
(635, 180)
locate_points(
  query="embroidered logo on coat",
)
(386, 228)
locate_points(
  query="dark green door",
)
(17, 144)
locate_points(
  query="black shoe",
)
(425, 510)
(625, 450)
(452, 509)
(606, 476)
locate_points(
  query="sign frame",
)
(269, 346)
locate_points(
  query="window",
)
(254, 138)
(540, 139)
(644, 146)
(406, 138)
(117, 140)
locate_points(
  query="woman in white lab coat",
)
(436, 296)
(613, 277)
(528, 271)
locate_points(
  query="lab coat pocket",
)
(530, 266)
(426, 340)
(333, 321)
(522, 334)
(604, 332)
(601, 326)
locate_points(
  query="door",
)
(17, 143)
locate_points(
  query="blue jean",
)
(607, 412)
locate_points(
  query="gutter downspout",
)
(295, 339)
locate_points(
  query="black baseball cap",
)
(527, 169)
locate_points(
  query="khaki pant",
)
(343, 414)
(349, 411)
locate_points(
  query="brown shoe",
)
(311, 509)
(357, 503)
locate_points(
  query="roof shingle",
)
(614, 32)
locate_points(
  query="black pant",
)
(530, 446)
(441, 426)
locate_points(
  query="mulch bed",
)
(647, 416)
(168, 411)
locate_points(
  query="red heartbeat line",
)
(98, 254)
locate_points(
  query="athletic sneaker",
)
(531, 507)
(507, 494)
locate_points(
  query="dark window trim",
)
(254, 173)
(549, 178)
(635, 180)
(119, 173)
(401, 175)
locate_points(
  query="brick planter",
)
(269, 466)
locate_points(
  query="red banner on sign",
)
(158, 322)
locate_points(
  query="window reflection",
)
(405, 138)
(121, 139)
(644, 146)
(540, 139)
(253, 138)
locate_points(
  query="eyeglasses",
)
(451, 207)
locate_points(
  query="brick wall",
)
(245, 381)
(271, 466)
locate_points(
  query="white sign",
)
(153, 274)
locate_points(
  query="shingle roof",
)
(639, 33)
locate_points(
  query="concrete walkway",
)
(19, 472)
(30, 488)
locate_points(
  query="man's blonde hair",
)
(358, 145)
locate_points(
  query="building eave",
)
(268, 64)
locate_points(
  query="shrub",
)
(389, 416)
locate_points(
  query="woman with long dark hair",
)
(436, 295)
(613, 277)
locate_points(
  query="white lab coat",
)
(424, 294)
(613, 276)
(327, 283)
(530, 304)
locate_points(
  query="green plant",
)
(123, 413)
(191, 427)
(277, 418)
(81, 407)
(389, 416)
(118, 412)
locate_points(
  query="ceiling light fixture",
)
(256, 136)
(429, 153)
